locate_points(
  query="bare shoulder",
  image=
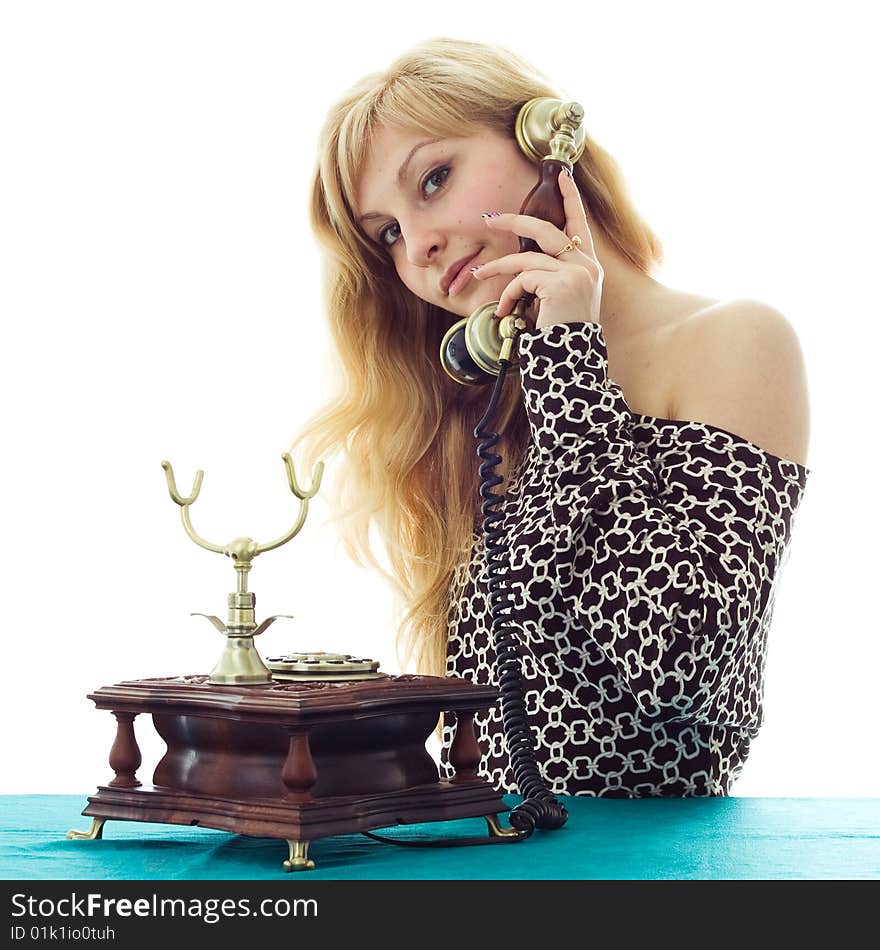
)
(738, 365)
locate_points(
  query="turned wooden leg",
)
(464, 753)
(299, 772)
(125, 756)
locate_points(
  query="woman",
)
(654, 441)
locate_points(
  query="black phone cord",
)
(541, 808)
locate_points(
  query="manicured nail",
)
(491, 214)
(475, 268)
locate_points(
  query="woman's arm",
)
(667, 563)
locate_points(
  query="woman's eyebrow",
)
(402, 172)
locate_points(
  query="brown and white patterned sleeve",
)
(666, 564)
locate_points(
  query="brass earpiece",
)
(551, 128)
(549, 132)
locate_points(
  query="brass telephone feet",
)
(299, 850)
(298, 860)
(496, 831)
(94, 832)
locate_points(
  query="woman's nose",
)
(423, 245)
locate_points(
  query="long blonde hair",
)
(403, 430)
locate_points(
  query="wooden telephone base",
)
(296, 761)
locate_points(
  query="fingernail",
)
(491, 214)
(475, 268)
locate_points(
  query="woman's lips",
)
(462, 277)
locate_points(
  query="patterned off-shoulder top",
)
(644, 555)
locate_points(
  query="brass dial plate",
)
(318, 664)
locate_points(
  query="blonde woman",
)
(654, 440)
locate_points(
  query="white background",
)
(161, 299)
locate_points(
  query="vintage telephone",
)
(343, 737)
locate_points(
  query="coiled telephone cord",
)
(540, 807)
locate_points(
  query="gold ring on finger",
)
(572, 244)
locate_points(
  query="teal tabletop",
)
(604, 839)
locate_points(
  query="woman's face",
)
(429, 221)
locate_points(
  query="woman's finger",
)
(545, 234)
(513, 291)
(515, 263)
(575, 214)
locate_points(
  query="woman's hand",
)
(568, 288)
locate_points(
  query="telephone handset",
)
(478, 350)
(549, 133)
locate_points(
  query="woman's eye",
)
(438, 176)
(385, 232)
(444, 172)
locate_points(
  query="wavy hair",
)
(401, 428)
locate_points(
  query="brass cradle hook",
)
(240, 664)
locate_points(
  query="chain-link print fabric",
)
(644, 554)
